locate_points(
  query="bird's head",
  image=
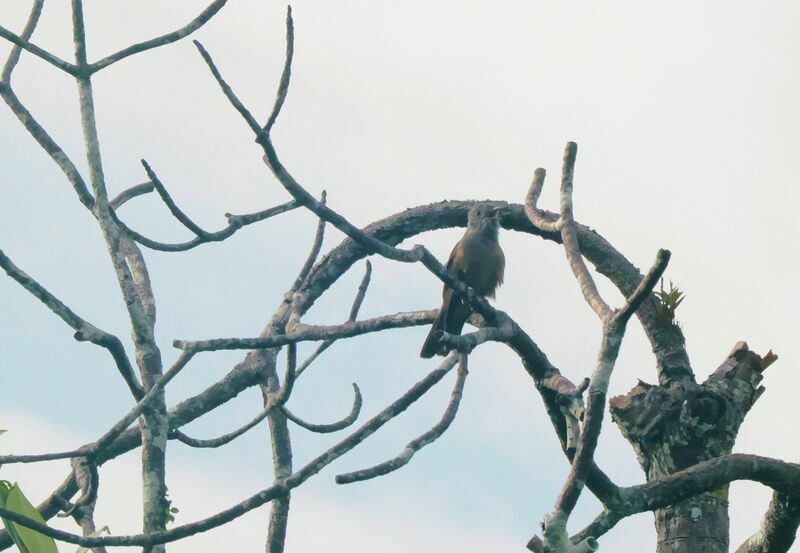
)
(484, 218)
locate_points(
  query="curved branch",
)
(276, 401)
(537, 217)
(778, 528)
(235, 222)
(415, 445)
(163, 40)
(355, 410)
(130, 193)
(225, 438)
(703, 477)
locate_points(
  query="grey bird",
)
(478, 261)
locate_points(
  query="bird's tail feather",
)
(433, 343)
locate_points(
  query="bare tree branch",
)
(235, 222)
(614, 322)
(105, 440)
(264, 496)
(356, 307)
(163, 40)
(47, 144)
(84, 331)
(130, 193)
(613, 331)
(27, 32)
(305, 333)
(779, 527)
(283, 85)
(83, 510)
(418, 443)
(538, 217)
(38, 52)
(355, 410)
(416, 254)
(467, 342)
(170, 203)
(225, 438)
(566, 224)
(316, 246)
(88, 478)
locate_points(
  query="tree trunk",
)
(697, 525)
(679, 424)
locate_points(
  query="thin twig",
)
(283, 85)
(646, 286)
(169, 38)
(536, 215)
(84, 331)
(235, 222)
(316, 246)
(27, 32)
(225, 438)
(170, 203)
(276, 401)
(306, 333)
(351, 417)
(354, 309)
(425, 439)
(130, 193)
(504, 332)
(47, 144)
(103, 441)
(154, 392)
(38, 52)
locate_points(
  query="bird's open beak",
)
(493, 212)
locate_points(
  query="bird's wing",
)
(453, 266)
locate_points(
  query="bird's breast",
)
(484, 264)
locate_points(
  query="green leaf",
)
(31, 541)
(5, 488)
(95, 534)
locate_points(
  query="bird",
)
(478, 261)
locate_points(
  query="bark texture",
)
(674, 427)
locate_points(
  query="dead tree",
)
(682, 431)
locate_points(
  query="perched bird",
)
(478, 261)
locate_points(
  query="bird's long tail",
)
(451, 319)
(433, 342)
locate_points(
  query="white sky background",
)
(687, 123)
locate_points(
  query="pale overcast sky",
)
(687, 122)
